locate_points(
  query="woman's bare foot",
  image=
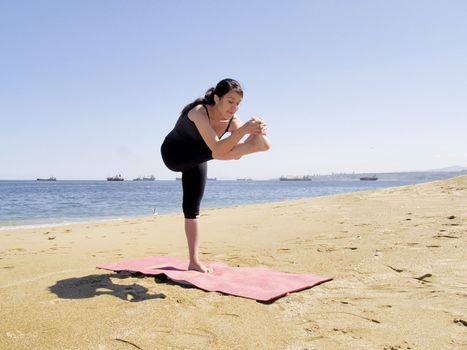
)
(197, 266)
(254, 143)
(261, 143)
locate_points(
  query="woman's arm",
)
(221, 147)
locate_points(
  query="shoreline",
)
(396, 255)
(90, 220)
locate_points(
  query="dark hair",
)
(223, 87)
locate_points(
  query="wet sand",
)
(398, 258)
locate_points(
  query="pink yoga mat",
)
(248, 282)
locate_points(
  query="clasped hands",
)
(256, 125)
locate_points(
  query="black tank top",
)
(185, 130)
(228, 125)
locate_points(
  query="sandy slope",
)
(398, 257)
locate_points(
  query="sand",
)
(398, 258)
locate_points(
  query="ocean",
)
(37, 203)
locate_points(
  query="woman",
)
(196, 139)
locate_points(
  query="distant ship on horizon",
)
(368, 178)
(116, 178)
(295, 178)
(52, 178)
(145, 178)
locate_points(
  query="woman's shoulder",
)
(198, 112)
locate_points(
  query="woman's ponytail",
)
(208, 99)
(222, 88)
(209, 96)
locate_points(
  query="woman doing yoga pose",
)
(197, 138)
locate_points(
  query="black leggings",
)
(192, 162)
(193, 183)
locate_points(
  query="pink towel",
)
(248, 282)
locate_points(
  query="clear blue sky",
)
(89, 89)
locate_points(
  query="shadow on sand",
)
(95, 285)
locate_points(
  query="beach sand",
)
(398, 258)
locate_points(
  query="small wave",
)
(11, 227)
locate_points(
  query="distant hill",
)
(450, 169)
(422, 176)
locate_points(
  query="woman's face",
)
(229, 103)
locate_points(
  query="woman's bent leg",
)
(193, 183)
(253, 144)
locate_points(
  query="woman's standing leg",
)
(193, 183)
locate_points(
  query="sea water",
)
(34, 203)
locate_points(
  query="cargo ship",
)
(116, 178)
(52, 178)
(145, 178)
(295, 178)
(368, 178)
